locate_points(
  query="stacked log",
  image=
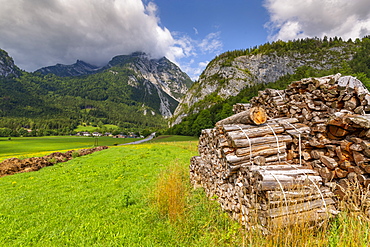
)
(243, 164)
(291, 194)
(284, 170)
(335, 108)
(316, 99)
(240, 107)
(341, 154)
(274, 101)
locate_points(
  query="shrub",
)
(52, 161)
(75, 154)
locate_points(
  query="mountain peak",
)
(76, 69)
(83, 68)
(7, 66)
(157, 80)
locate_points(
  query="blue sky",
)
(39, 33)
(214, 26)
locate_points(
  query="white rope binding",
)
(273, 175)
(250, 144)
(317, 187)
(279, 94)
(277, 141)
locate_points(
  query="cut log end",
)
(258, 115)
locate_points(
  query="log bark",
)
(259, 147)
(255, 132)
(297, 208)
(268, 139)
(271, 182)
(254, 115)
(328, 162)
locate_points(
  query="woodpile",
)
(274, 101)
(246, 167)
(335, 108)
(240, 107)
(315, 139)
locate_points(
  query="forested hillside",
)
(135, 92)
(225, 83)
(122, 93)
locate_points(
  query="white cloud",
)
(195, 70)
(211, 43)
(291, 19)
(39, 33)
(203, 64)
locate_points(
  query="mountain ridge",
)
(130, 91)
(229, 73)
(7, 66)
(77, 69)
(161, 72)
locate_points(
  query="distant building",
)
(96, 134)
(120, 136)
(85, 133)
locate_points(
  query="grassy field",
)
(107, 199)
(23, 147)
(139, 195)
(173, 138)
(92, 128)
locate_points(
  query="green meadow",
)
(173, 138)
(24, 147)
(107, 199)
(92, 128)
(140, 195)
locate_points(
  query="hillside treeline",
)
(359, 66)
(51, 105)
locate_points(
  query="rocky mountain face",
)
(159, 83)
(7, 66)
(226, 75)
(162, 73)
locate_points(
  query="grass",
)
(173, 138)
(104, 199)
(92, 128)
(24, 147)
(140, 195)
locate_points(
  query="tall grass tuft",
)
(349, 228)
(170, 193)
(296, 235)
(290, 230)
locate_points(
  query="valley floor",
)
(138, 195)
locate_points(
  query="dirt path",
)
(151, 136)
